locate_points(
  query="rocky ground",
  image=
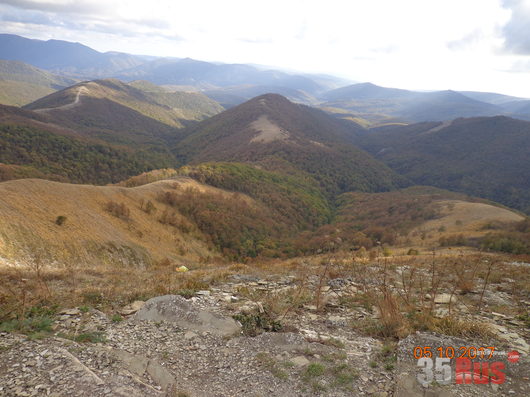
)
(172, 346)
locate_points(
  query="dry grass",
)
(95, 232)
(459, 217)
(401, 291)
(103, 287)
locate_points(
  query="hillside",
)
(72, 59)
(21, 83)
(241, 212)
(383, 105)
(277, 134)
(485, 157)
(120, 113)
(187, 105)
(59, 154)
(92, 232)
(222, 209)
(418, 216)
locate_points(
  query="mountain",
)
(233, 96)
(275, 133)
(211, 75)
(230, 84)
(191, 106)
(21, 83)
(120, 113)
(490, 97)
(365, 91)
(485, 157)
(512, 106)
(381, 105)
(73, 59)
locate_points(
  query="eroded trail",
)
(77, 100)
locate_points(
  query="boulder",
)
(132, 308)
(176, 309)
(444, 299)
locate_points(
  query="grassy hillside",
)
(190, 105)
(485, 157)
(122, 114)
(18, 93)
(21, 83)
(255, 213)
(101, 225)
(278, 134)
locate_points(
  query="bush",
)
(451, 241)
(147, 207)
(60, 220)
(509, 243)
(255, 324)
(119, 210)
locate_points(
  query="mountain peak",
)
(270, 99)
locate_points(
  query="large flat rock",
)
(176, 309)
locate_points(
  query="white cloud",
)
(416, 44)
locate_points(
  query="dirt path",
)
(438, 128)
(81, 90)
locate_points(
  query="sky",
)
(481, 45)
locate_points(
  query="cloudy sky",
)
(479, 45)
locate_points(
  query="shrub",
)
(506, 242)
(147, 207)
(119, 210)
(455, 240)
(60, 220)
(89, 337)
(116, 318)
(255, 324)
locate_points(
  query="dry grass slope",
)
(458, 216)
(91, 234)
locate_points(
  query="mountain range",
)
(283, 164)
(73, 59)
(233, 84)
(391, 105)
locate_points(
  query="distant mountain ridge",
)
(381, 105)
(78, 60)
(378, 104)
(233, 84)
(69, 58)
